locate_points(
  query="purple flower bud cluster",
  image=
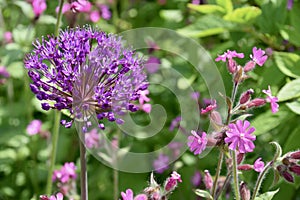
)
(289, 166)
(84, 70)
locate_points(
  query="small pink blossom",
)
(147, 107)
(8, 37)
(197, 143)
(239, 136)
(59, 196)
(34, 127)
(66, 173)
(81, 6)
(258, 56)
(209, 108)
(92, 139)
(172, 181)
(161, 163)
(229, 55)
(258, 165)
(129, 195)
(272, 100)
(152, 64)
(208, 181)
(143, 96)
(66, 7)
(95, 16)
(39, 6)
(105, 12)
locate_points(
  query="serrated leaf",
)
(267, 195)
(207, 8)
(243, 15)
(278, 151)
(26, 8)
(294, 106)
(291, 90)
(203, 193)
(227, 4)
(288, 63)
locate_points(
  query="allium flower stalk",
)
(86, 71)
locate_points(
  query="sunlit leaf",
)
(243, 15)
(227, 4)
(294, 106)
(290, 91)
(203, 193)
(207, 8)
(288, 63)
(267, 195)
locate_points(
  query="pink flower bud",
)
(245, 192)
(249, 66)
(245, 167)
(171, 182)
(216, 117)
(232, 66)
(246, 96)
(295, 155)
(256, 103)
(208, 181)
(288, 177)
(240, 158)
(295, 169)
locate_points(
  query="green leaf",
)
(206, 26)
(23, 35)
(203, 193)
(207, 8)
(290, 33)
(243, 15)
(227, 4)
(288, 63)
(291, 90)
(16, 70)
(171, 15)
(268, 121)
(26, 8)
(294, 17)
(267, 195)
(47, 19)
(294, 106)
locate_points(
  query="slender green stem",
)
(115, 172)
(116, 184)
(59, 15)
(219, 167)
(53, 151)
(235, 176)
(83, 171)
(260, 179)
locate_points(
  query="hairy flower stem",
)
(83, 171)
(235, 176)
(53, 151)
(56, 120)
(260, 178)
(224, 186)
(219, 167)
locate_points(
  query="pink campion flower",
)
(239, 136)
(66, 7)
(172, 181)
(161, 163)
(39, 6)
(105, 12)
(92, 139)
(129, 196)
(258, 165)
(208, 181)
(8, 37)
(81, 6)
(209, 108)
(229, 55)
(197, 143)
(272, 100)
(66, 173)
(147, 107)
(34, 127)
(258, 56)
(58, 196)
(142, 99)
(95, 16)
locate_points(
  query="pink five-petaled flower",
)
(92, 139)
(129, 196)
(196, 143)
(171, 182)
(34, 127)
(229, 55)
(239, 136)
(258, 165)
(209, 108)
(67, 172)
(59, 196)
(272, 100)
(258, 56)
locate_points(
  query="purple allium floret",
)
(86, 71)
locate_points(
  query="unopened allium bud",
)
(249, 66)
(288, 177)
(245, 167)
(295, 155)
(208, 181)
(246, 96)
(245, 192)
(295, 169)
(256, 103)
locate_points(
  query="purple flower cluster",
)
(69, 73)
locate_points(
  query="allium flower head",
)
(197, 143)
(239, 136)
(272, 100)
(86, 71)
(258, 56)
(34, 127)
(258, 165)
